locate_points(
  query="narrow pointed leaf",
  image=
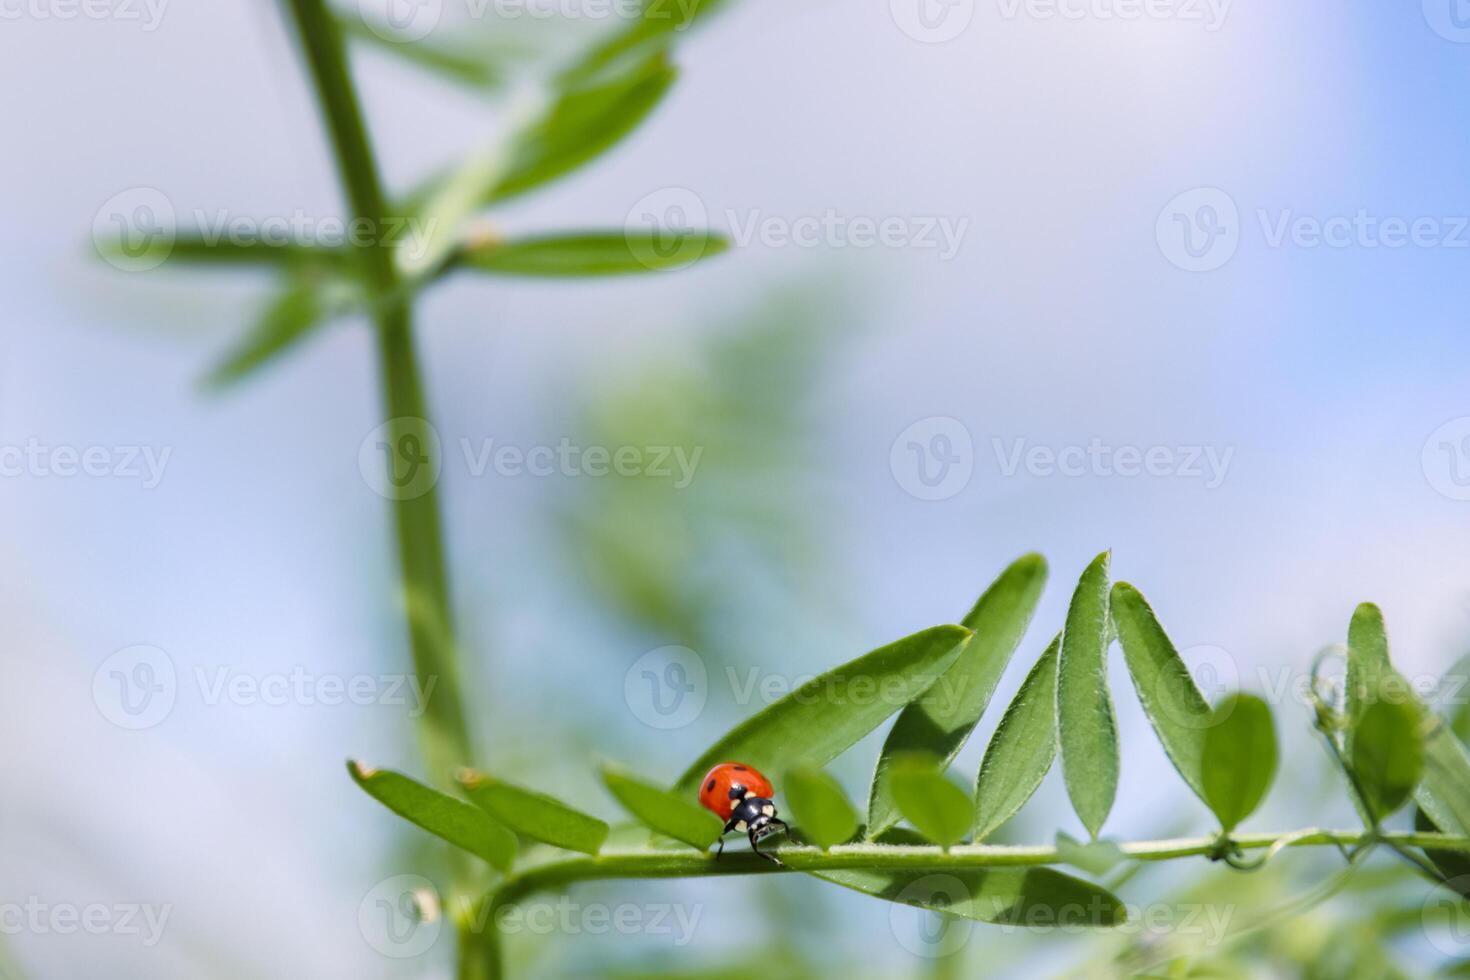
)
(655, 30)
(1368, 667)
(463, 67)
(1444, 789)
(668, 813)
(1022, 749)
(1087, 727)
(1033, 897)
(819, 807)
(1179, 714)
(828, 714)
(1239, 758)
(288, 319)
(583, 122)
(939, 723)
(1095, 857)
(534, 814)
(590, 254)
(1388, 755)
(455, 821)
(1453, 866)
(937, 808)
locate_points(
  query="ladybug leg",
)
(755, 845)
(729, 826)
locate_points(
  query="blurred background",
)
(1226, 239)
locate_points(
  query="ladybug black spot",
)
(739, 768)
(709, 786)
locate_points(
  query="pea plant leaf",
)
(655, 29)
(939, 722)
(287, 320)
(1022, 749)
(1175, 708)
(1387, 755)
(1032, 897)
(584, 120)
(455, 821)
(825, 716)
(1368, 667)
(472, 69)
(658, 809)
(819, 807)
(1453, 866)
(534, 814)
(591, 254)
(1239, 758)
(939, 809)
(1086, 724)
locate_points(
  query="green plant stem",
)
(560, 872)
(443, 732)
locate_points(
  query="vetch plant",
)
(1390, 746)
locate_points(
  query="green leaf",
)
(462, 825)
(825, 716)
(1095, 857)
(669, 814)
(1033, 897)
(1022, 749)
(654, 31)
(819, 806)
(533, 814)
(1175, 708)
(463, 67)
(591, 254)
(941, 721)
(1453, 866)
(1239, 758)
(1388, 755)
(1085, 720)
(939, 809)
(1368, 667)
(1444, 790)
(584, 121)
(286, 321)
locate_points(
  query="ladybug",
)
(741, 796)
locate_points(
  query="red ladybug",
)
(741, 796)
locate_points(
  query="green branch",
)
(443, 732)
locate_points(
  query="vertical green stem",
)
(443, 732)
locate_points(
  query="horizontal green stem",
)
(888, 857)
